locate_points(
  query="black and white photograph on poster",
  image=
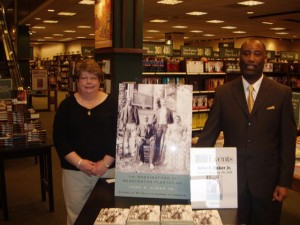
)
(154, 128)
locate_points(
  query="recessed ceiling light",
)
(83, 27)
(158, 21)
(66, 14)
(38, 27)
(239, 32)
(179, 27)
(37, 18)
(169, 2)
(196, 31)
(250, 13)
(282, 33)
(58, 35)
(40, 39)
(196, 13)
(186, 38)
(92, 34)
(277, 28)
(152, 31)
(268, 23)
(215, 21)
(28, 24)
(69, 31)
(229, 27)
(51, 10)
(48, 37)
(250, 3)
(50, 21)
(208, 35)
(87, 2)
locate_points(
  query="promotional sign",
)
(153, 141)
(213, 178)
(39, 80)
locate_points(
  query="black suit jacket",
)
(265, 139)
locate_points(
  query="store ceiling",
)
(283, 14)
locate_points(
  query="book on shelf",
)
(113, 216)
(144, 215)
(194, 67)
(207, 217)
(199, 102)
(176, 215)
(214, 66)
(202, 117)
(211, 84)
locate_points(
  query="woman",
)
(84, 134)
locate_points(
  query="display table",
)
(102, 196)
(43, 152)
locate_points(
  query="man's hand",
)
(280, 193)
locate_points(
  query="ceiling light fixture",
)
(215, 21)
(239, 32)
(229, 27)
(268, 23)
(58, 35)
(169, 2)
(152, 31)
(66, 14)
(158, 21)
(196, 13)
(282, 33)
(208, 35)
(38, 27)
(69, 31)
(87, 2)
(250, 3)
(51, 10)
(50, 21)
(196, 31)
(84, 27)
(179, 27)
(277, 28)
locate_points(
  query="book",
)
(207, 217)
(176, 215)
(115, 216)
(144, 215)
(165, 172)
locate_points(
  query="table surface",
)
(102, 196)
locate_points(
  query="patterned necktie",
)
(250, 98)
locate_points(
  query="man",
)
(264, 136)
(162, 118)
(129, 121)
(146, 137)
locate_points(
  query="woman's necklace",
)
(89, 105)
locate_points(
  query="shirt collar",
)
(256, 85)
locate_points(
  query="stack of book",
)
(179, 214)
(144, 215)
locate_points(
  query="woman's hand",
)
(99, 168)
(86, 166)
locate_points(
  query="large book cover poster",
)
(154, 141)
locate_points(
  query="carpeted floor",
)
(24, 197)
